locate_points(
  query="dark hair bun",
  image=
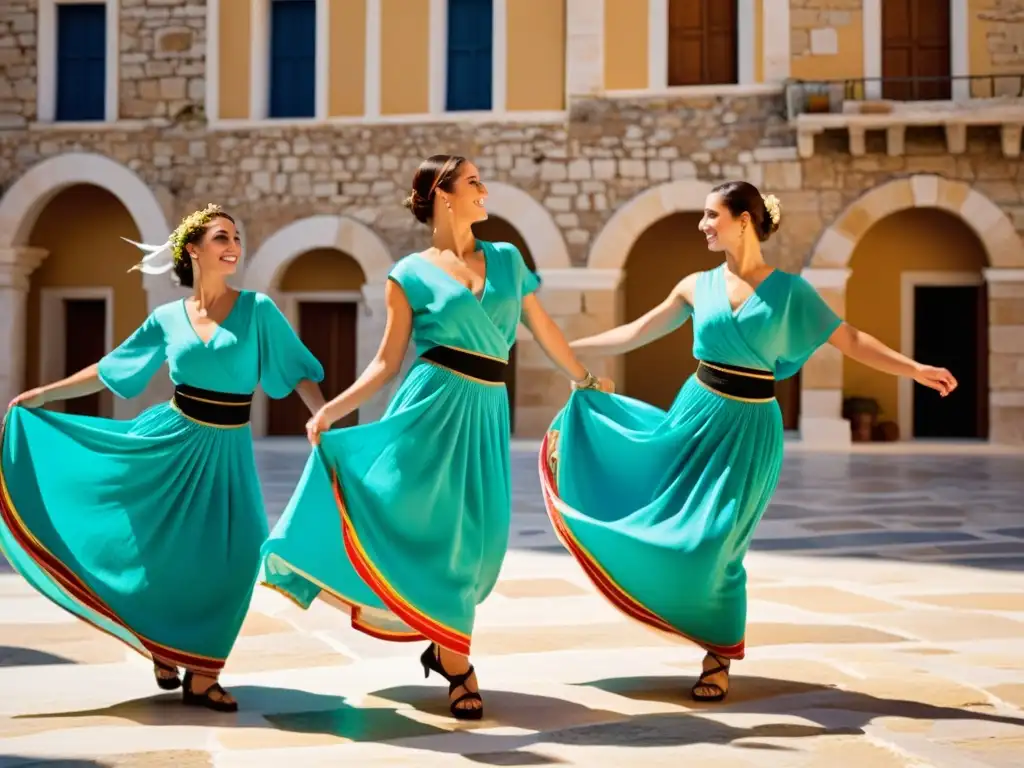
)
(743, 197)
(421, 209)
(436, 172)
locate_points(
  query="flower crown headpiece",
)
(162, 258)
(774, 208)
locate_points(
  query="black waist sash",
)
(740, 383)
(217, 409)
(489, 369)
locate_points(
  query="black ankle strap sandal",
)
(164, 680)
(720, 692)
(432, 663)
(192, 699)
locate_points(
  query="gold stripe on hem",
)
(464, 375)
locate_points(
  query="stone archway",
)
(21, 206)
(989, 222)
(539, 230)
(268, 265)
(828, 269)
(613, 244)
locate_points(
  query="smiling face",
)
(723, 231)
(218, 249)
(467, 198)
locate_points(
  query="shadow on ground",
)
(383, 718)
(14, 656)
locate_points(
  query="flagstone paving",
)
(886, 628)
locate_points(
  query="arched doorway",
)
(664, 254)
(320, 292)
(497, 230)
(82, 300)
(917, 285)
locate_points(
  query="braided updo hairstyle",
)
(436, 172)
(182, 261)
(743, 197)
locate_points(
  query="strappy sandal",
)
(703, 683)
(192, 699)
(161, 672)
(431, 662)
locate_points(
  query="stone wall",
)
(17, 62)
(607, 153)
(811, 18)
(163, 67)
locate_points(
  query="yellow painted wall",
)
(916, 239)
(405, 57)
(235, 31)
(347, 53)
(849, 27)
(625, 44)
(995, 33)
(82, 229)
(323, 269)
(536, 55)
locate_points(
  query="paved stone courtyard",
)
(886, 629)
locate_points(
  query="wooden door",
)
(947, 334)
(85, 323)
(702, 42)
(787, 393)
(915, 44)
(329, 330)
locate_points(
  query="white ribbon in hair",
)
(158, 260)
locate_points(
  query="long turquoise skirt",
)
(404, 522)
(659, 508)
(149, 529)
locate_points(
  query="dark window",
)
(81, 61)
(470, 54)
(702, 38)
(293, 58)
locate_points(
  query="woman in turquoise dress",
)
(150, 529)
(404, 522)
(659, 508)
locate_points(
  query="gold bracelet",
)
(589, 381)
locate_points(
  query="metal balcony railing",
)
(829, 96)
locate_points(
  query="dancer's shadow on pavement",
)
(384, 716)
(26, 761)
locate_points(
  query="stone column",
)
(582, 302)
(821, 381)
(1006, 355)
(584, 56)
(16, 264)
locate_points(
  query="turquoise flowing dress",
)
(150, 529)
(404, 522)
(659, 507)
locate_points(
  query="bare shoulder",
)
(686, 289)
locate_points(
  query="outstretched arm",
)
(85, 382)
(384, 366)
(660, 321)
(551, 339)
(868, 350)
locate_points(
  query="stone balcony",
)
(818, 107)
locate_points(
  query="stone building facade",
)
(600, 186)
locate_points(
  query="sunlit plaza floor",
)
(886, 628)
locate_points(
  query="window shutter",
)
(470, 54)
(293, 58)
(81, 61)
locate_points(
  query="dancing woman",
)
(659, 508)
(150, 529)
(404, 522)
